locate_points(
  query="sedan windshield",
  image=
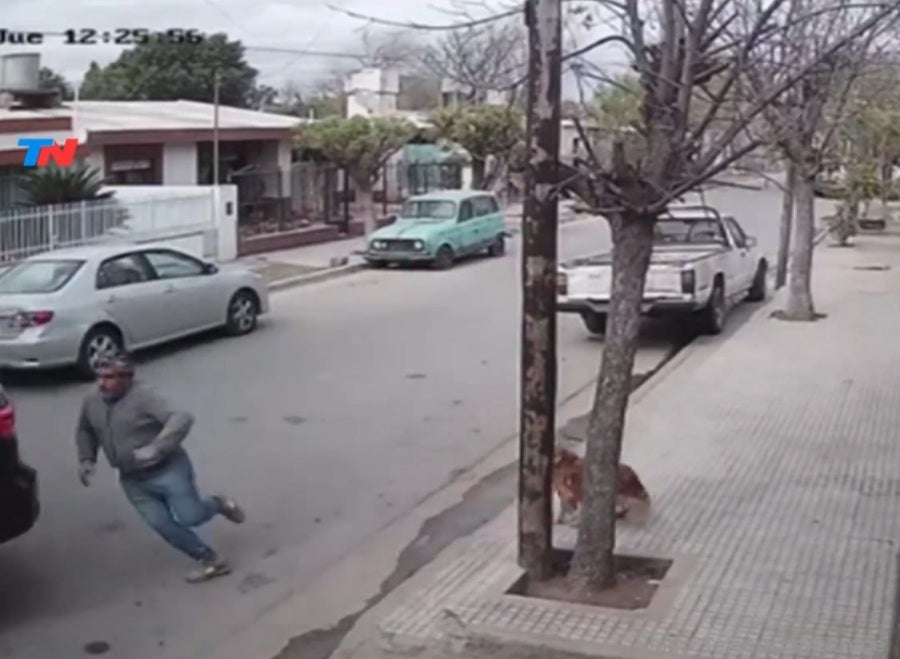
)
(689, 231)
(428, 210)
(32, 277)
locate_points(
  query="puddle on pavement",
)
(480, 504)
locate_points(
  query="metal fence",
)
(281, 199)
(25, 232)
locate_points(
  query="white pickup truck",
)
(702, 265)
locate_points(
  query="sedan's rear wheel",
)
(243, 311)
(102, 342)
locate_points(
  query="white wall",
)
(179, 166)
(194, 218)
(372, 92)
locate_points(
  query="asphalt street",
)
(352, 402)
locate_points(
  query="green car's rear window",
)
(429, 210)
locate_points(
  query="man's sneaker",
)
(230, 509)
(209, 569)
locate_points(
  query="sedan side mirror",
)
(210, 268)
(751, 241)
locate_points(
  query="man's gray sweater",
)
(137, 419)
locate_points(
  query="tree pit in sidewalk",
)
(637, 581)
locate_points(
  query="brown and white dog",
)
(632, 499)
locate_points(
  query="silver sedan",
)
(74, 306)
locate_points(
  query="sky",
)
(294, 24)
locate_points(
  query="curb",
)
(315, 277)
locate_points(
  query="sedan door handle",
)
(169, 289)
(111, 299)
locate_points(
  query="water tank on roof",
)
(20, 72)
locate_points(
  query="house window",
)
(233, 156)
(133, 164)
(131, 172)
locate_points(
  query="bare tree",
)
(391, 49)
(693, 53)
(803, 121)
(690, 57)
(481, 59)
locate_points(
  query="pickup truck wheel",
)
(714, 315)
(757, 291)
(595, 322)
(498, 247)
(443, 260)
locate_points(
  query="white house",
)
(152, 142)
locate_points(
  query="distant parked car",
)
(440, 227)
(19, 506)
(74, 306)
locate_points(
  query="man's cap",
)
(120, 363)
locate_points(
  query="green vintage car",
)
(439, 227)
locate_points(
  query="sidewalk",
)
(777, 496)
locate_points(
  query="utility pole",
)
(216, 82)
(537, 424)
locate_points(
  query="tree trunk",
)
(787, 219)
(537, 426)
(478, 167)
(592, 564)
(887, 173)
(800, 301)
(366, 205)
(848, 220)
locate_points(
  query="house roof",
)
(97, 116)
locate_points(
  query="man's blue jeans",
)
(168, 500)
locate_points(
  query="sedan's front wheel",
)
(243, 311)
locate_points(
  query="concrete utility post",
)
(539, 265)
(217, 79)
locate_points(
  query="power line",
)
(302, 52)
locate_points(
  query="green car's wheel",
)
(443, 260)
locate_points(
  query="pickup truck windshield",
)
(689, 231)
(426, 210)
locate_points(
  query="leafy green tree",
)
(160, 71)
(484, 131)
(359, 145)
(322, 106)
(618, 107)
(58, 185)
(50, 79)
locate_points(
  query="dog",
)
(632, 498)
